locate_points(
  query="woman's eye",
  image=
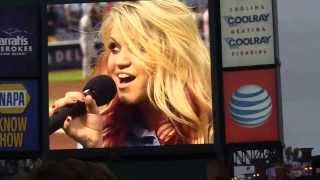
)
(114, 48)
(142, 49)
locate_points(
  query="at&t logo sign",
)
(250, 106)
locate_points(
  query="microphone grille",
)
(102, 88)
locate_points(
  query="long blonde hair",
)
(178, 65)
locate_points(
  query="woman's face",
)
(125, 69)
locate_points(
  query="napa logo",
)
(15, 42)
(250, 106)
(14, 98)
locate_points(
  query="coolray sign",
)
(247, 32)
(236, 20)
(15, 42)
(247, 41)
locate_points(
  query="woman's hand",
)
(166, 133)
(86, 129)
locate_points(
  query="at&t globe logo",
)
(250, 106)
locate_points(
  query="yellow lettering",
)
(13, 124)
(6, 125)
(18, 139)
(13, 127)
(1, 125)
(9, 140)
(22, 124)
(3, 140)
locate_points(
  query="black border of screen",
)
(189, 151)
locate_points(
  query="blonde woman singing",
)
(161, 67)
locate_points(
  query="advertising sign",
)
(250, 105)
(247, 33)
(19, 124)
(19, 42)
(66, 55)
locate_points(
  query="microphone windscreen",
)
(102, 88)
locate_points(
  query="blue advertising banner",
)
(19, 41)
(19, 115)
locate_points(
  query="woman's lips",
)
(125, 80)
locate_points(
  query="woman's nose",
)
(124, 60)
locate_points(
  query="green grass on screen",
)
(65, 75)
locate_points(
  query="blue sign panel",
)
(19, 115)
(19, 42)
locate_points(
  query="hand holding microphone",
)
(78, 114)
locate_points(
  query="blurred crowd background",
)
(64, 20)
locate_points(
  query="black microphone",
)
(102, 89)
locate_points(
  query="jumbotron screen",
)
(152, 61)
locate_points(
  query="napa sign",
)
(14, 98)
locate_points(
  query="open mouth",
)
(126, 78)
